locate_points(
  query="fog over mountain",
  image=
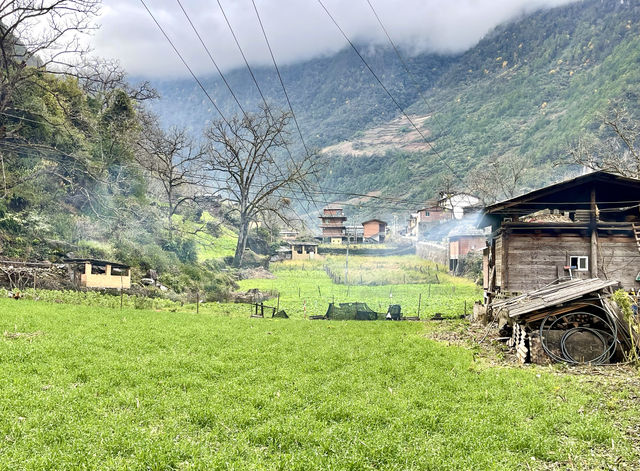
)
(297, 29)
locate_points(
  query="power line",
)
(275, 65)
(387, 90)
(255, 81)
(213, 61)
(175, 49)
(405, 65)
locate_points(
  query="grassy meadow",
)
(306, 289)
(98, 388)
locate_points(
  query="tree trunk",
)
(4, 176)
(243, 236)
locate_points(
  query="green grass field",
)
(305, 287)
(97, 388)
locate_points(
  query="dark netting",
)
(351, 311)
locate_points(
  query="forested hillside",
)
(528, 90)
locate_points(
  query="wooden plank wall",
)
(498, 261)
(619, 260)
(535, 260)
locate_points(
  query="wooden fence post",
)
(121, 292)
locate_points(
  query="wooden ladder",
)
(636, 234)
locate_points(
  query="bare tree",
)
(174, 160)
(102, 78)
(497, 178)
(618, 152)
(240, 156)
(39, 35)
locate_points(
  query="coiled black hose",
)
(607, 336)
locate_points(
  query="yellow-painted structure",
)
(303, 250)
(108, 279)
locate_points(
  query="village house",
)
(427, 217)
(289, 235)
(460, 244)
(459, 205)
(90, 273)
(586, 227)
(355, 234)
(333, 225)
(374, 230)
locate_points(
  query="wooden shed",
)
(91, 273)
(301, 250)
(586, 227)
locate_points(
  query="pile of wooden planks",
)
(585, 326)
(520, 342)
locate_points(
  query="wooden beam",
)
(505, 260)
(594, 235)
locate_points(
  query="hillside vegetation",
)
(529, 89)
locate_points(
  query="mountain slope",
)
(529, 88)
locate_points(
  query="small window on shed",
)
(579, 263)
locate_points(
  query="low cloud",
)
(297, 29)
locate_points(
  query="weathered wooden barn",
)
(586, 227)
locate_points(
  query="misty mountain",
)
(529, 88)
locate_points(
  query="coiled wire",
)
(608, 337)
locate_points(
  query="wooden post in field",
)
(429, 289)
(298, 291)
(319, 293)
(278, 307)
(419, 301)
(465, 307)
(121, 292)
(198, 302)
(35, 274)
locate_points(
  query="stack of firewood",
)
(520, 341)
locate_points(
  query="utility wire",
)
(387, 91)
(215, 64)
(275, 65)
(175, 49)
(405, 65)
(284, 89)
(255, 81)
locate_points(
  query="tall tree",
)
(241, 157)
(174, 160)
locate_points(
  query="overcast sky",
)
(297, 29)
